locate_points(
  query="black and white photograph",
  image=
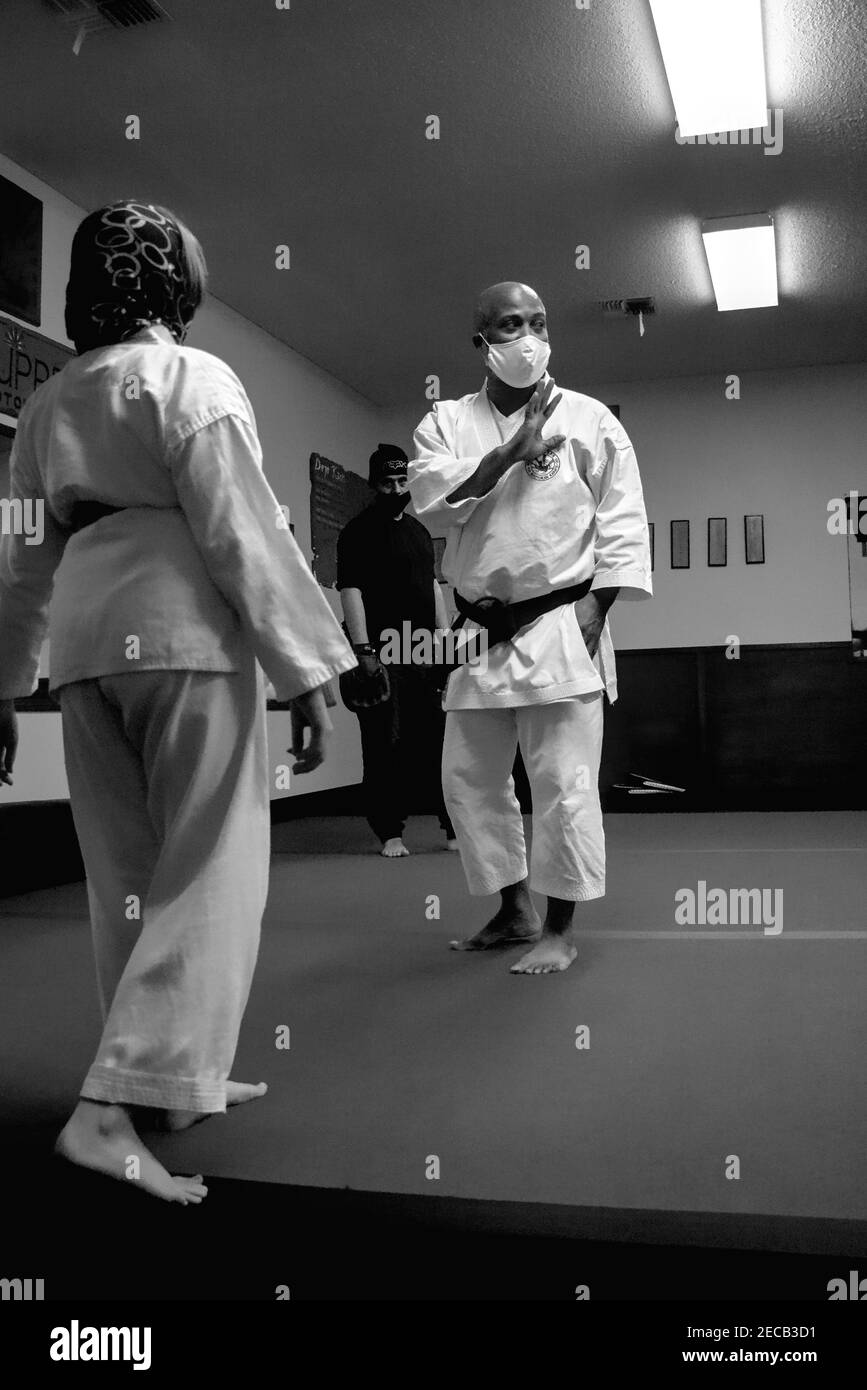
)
(433, 705)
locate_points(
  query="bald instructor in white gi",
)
(544, 533)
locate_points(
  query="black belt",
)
(503, 620)
(85, 513)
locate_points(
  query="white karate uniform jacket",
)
(200, 567)
(531, 534)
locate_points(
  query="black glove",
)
(367, 685)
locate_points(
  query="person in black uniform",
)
(385, 574)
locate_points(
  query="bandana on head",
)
(388, 461)
(126, 272)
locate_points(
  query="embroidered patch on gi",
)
(544, 467)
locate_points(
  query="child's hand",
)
(8, 739)
(309, 712)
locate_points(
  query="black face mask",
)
(392, 503)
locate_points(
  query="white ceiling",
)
(307, 127)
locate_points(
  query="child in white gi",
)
(168, 580)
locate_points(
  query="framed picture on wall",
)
(856, 509)
(439, 545)
(680, 545)
(754, 540)
(717, 543)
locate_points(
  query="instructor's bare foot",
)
(510, 927)
(237, 1093)
(394, 848)
(102, 1137)
(553, 953)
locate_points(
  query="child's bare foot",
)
(102, 1137)
(237, 1092)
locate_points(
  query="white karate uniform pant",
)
(168, 783)
(561, 744)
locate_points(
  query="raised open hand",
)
(528, 442)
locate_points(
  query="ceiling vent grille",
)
(626, 308)
(98, 16)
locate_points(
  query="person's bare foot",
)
(394, 848)
(102, 1137)
(510, 926)
(237, 1093)
(553, 953)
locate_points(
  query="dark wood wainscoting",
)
(781, 728)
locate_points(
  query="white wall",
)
(299, 409)
(794, 440)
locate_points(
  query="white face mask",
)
(519, 363)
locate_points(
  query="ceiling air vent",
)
(97, 16)
(624, 308)
(628, 308)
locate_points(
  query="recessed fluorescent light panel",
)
(742, 255)
(714, 59)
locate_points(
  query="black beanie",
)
(388, 461)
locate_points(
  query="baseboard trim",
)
(803, 1235)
